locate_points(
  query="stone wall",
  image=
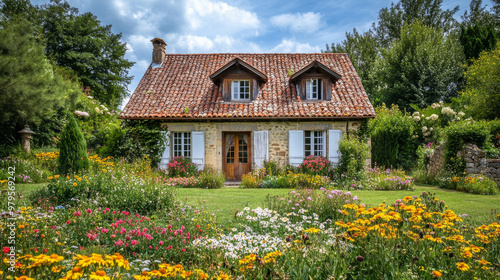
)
(277, 131)
(475, 162)
(436, 162)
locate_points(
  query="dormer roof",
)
(238, 62)
(316, 64)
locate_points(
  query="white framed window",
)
(313, 89)
(182, 144)
(313, 143)
(240, 89)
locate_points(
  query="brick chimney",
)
(158, 50)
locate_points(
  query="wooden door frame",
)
(249, 151)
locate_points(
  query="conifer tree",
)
(73, 149)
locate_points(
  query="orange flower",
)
(436, 274)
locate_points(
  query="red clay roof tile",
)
(183, 81)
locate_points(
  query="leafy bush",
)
(472, 184)
(392, 138)
(210, 178)
(315, 165)
(271, 167)
(457, 135)
(72, 149)
(135, 139)
(253, 179)
(181, 167)
(354, 153)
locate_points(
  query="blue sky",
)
(215, 26)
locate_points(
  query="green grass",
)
(225, 201)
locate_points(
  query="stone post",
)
(26, 135)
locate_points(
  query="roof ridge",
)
(187, 54)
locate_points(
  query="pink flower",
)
(133, 242)
(68, 222)
(89, 211)
(161, 242)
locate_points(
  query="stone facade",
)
(278, 135)
(475, 162)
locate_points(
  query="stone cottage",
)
(234, 111)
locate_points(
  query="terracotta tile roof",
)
(183, 81)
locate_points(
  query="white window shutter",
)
(323, 153)
(165, 157)
(198, 148)
(260, 148)
(308, 89)
(334, 137)
(295, 147)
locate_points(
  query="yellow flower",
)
(56, 176)
(144, 276)
(99, 275)
(24, 278)
(483, 262)
(57, 269)
(462, 266)
(50, 178)
(75, 273)
(312, 230)
(436, 274)
(75, 184)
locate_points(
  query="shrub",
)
(315, 165)
(354, 153)
(457, 135)
(252, 179)
(72, 149)
(392, 138)
(271, 167)
(210, 178)
(472, 184)
(181, 167)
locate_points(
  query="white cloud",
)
(209, 18)
(195, 43)
(299, 22)
(291, 46)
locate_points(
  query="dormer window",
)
(240, 89)
(239, 81)
(315, 82)
(313, 89)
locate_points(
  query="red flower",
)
(6, 250)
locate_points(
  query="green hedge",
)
(457, 135)
(392, 144)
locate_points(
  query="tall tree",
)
(483, 85)
(94, 53)
(475, 39)
(429, 12)
(363, 50)
(30, 87)
(477, 15)
(421, 67)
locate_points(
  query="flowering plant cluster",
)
(181, 167)
(182, 182)
(316, 165)
(472, 184)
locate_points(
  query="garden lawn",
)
(225, 201)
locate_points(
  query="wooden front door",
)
(236, 159)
